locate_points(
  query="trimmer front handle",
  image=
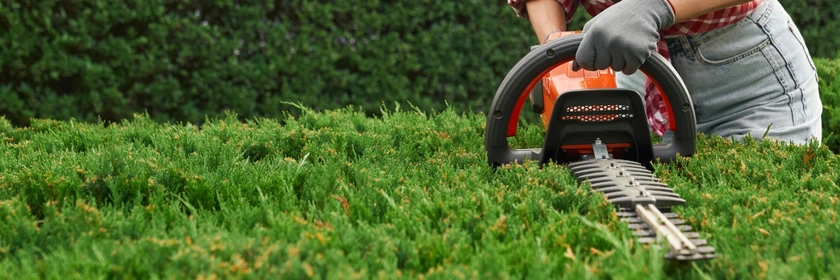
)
(503, 116)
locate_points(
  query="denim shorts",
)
(754, 77)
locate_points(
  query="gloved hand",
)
(624, 35)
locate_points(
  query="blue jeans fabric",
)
(753, 77)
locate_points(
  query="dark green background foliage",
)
(185, 60)
(181, 60)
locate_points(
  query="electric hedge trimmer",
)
(601, 133)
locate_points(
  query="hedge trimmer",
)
(601, 133)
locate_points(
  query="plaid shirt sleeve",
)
(713, 20)
(569, 6)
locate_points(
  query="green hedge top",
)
(332, 194)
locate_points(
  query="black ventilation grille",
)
(597, 113)
(597, 108)
(597, 118)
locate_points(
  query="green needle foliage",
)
(338, 194)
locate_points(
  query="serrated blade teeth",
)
(644, 203)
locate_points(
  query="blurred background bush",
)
(185, 60)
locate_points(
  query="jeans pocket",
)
(731, 43)
(717, 56)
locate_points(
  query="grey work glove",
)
(624, 35)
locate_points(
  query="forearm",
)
(546, 16)
(688, 9)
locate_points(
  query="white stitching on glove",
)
(624, 35)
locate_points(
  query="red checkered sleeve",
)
(713, 20)
(569, 6)
(701, 24)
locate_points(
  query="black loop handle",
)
(542, 59)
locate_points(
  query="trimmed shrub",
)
(406, 195)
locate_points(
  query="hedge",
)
(186, 60)
(407, 195)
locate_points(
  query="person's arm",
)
(546, 17)
(688, 9)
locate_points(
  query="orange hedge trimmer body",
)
(600, 132)
(562, 79)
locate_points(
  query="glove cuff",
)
(665, 11)
(672, 6)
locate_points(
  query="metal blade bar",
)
(641, 199)
(678, 242)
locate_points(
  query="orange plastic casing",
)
(562, 79)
